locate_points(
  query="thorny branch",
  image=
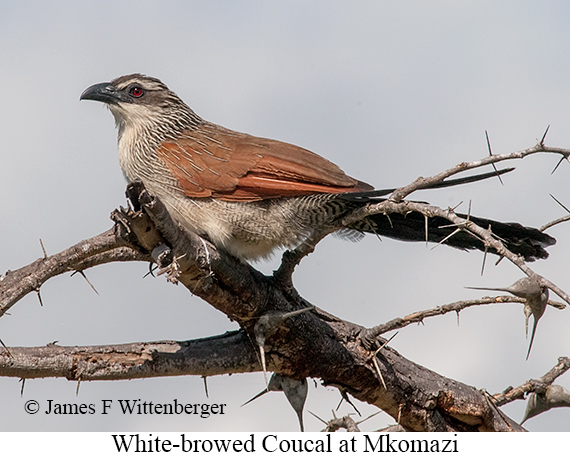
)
(422, 183)
(419, 316)
(103, 248)
(223, 354)
(560, 219)
(486, 235)
(316, 344)
(533, 385)
(396, 204)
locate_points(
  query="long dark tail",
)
(525, 241)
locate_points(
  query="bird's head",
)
(141, 101)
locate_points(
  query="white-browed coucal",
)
(251, 195)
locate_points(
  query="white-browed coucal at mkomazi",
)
(251, 195)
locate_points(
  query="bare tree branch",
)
(306, 344)
(224, 354)
(559, 220)
(533, 385)
(483, 234)
(555, 222)
(419, 316)
(422, 183)
(103, 248)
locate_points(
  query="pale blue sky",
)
(389, 90)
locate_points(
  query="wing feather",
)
(216, 162)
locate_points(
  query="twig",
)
(419, 316)
(292, 258)
(485, 235)
(555, 222)
(100, 249)
(422, 183)
(560, 219)
(533, 385)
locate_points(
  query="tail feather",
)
(524, 241)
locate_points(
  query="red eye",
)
(136, 91)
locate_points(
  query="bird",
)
(251, 196)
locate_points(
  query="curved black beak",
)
(103, 92)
